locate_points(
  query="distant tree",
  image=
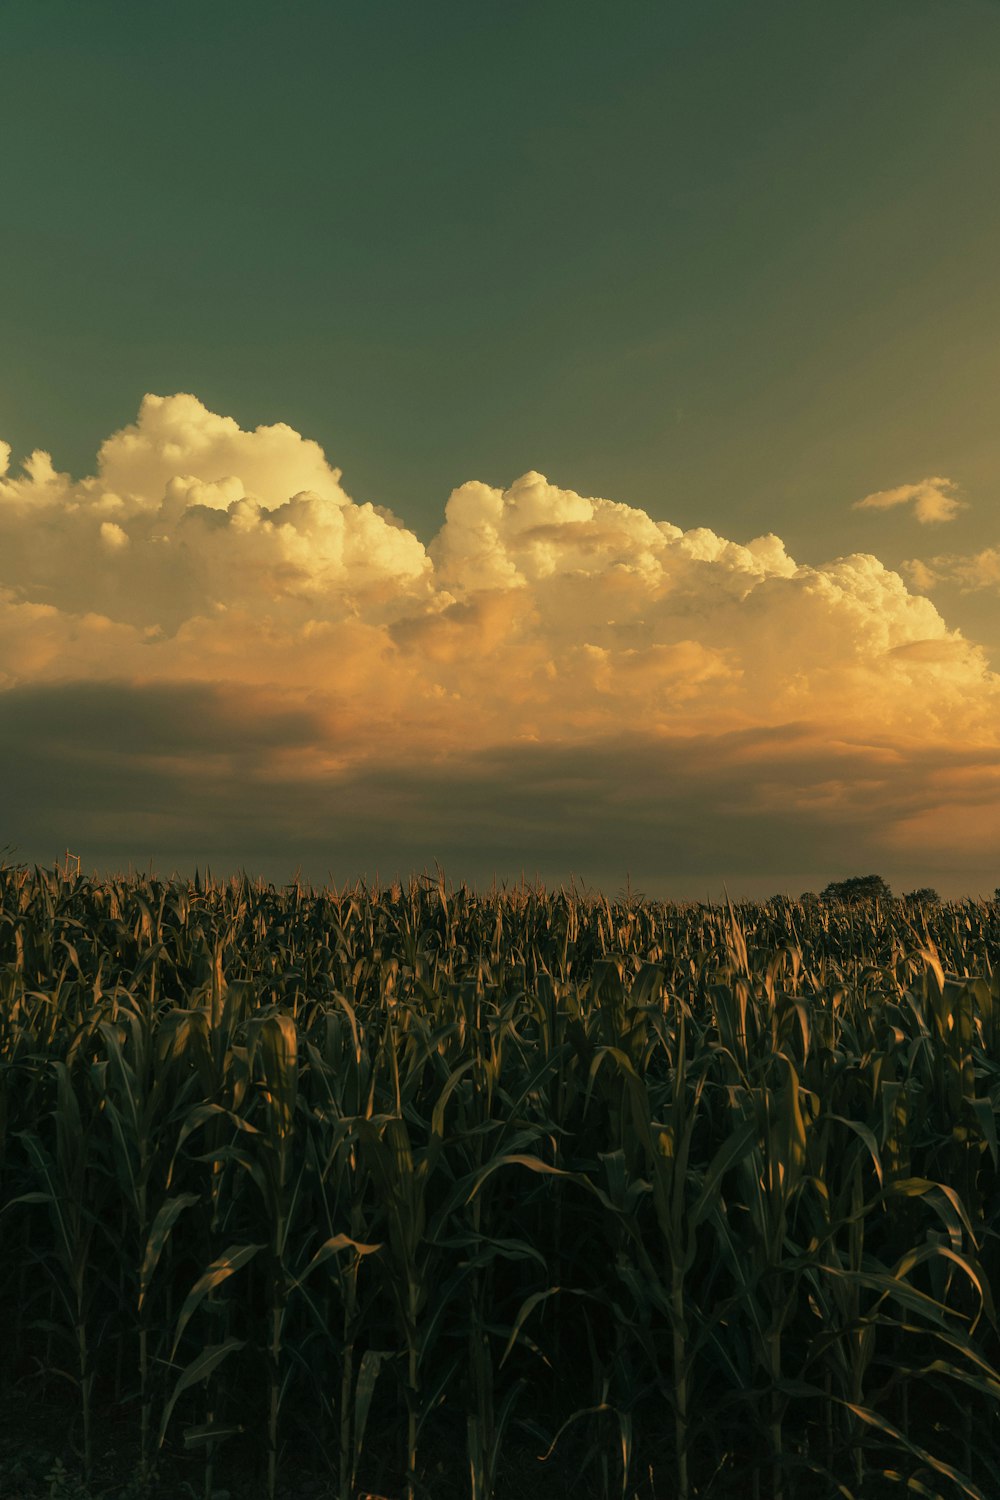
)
(808, 898)
(996, 894)
(857, 889)
(924, 895)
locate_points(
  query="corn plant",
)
(694, 1200)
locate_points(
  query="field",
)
(421, 1192)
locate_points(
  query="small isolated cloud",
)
(971, 572)
(223, 654)
(921, 575)
(934, 500)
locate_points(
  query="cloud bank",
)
(208, 649)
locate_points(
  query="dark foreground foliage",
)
(400, 1190)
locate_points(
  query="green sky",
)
(733, 263)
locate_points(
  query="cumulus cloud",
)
(211, 518)
(933, 500)
(212, 621)
(176, 437)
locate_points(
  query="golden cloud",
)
(227, 576)
(933, 499)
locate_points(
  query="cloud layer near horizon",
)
(211, 644)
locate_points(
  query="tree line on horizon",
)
(859, 889)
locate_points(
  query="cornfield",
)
(427, 1192)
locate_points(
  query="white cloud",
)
(933, 499)
(177, 437)
(535, 531)
(201, 557)
(208, 514)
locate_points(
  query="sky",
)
(528, 437)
